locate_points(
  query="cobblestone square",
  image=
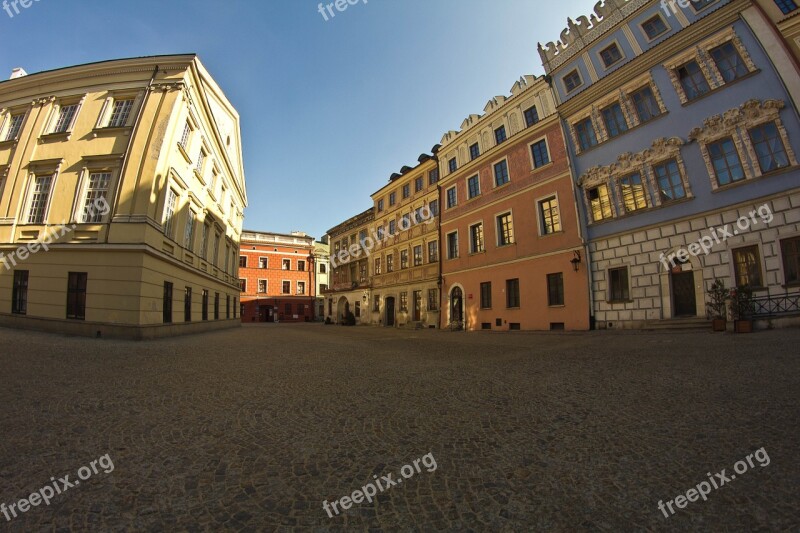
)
(252, 429)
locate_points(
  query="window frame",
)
(623, 295)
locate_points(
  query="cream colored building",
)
(349, 292)
(140, 161)
(405, 262)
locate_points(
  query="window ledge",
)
(580, 151)
(9, 142)
(543, 167)
(612, 302)
(185, 155)
(721, 87)
(109, 130)
(548, 235)
(48, 137)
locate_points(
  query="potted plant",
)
(742, 309)
(718, 306)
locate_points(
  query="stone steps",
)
(678, 324)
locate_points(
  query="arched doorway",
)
(389, 304)
(342, 310)
(456, 307)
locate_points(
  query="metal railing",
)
(768, 306)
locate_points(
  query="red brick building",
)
(277, 277)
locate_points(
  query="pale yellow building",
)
(405, 262)
(122, 193)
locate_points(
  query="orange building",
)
(277, 277)
(512, 253)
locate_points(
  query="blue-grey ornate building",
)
(683, 133)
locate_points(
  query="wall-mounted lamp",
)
(576, 261)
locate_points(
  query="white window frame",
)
(534, 168)
(458, 245)
(539, 217)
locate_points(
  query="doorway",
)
(684, 299)
(417, 306)
(457, 305)
(389, 311)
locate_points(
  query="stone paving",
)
(252, 429)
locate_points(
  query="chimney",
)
(18, 73)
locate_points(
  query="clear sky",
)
(329, 109)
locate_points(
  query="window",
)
(201, 157)
(549, 216)
(392, 199)
(169, 213)
(287, 308)
(769, 147)
(452, 199)
(433, 176)
(699, 5)
(187, 304)
(669, 181)
(599, 203)
(263, 263)
(501, 176)
(205, 304)
(235, 306)
(120, 113)
(204, 242)
(726, 162)
(357, 312)
(473, 187)
(417, 256)
(380, 205)
(227, 306)
(747, 266)
(433, 299)
(40, 199)
(19, 293)
(262, 286)
(380, 232)
(242, 285)
(645, 103)
(377, 266)
(512, 293)
(392, 227)
(14, 127)
(215, 257)
(389, 263)
(66, 117)
(618, 290)
(790, 249)
(505, 230)
(729, 62)
(572, 81)
(301, 288)
(286, 264)
(403, 259)
(167, 303)
(486, 295)
(476, 239)
(452, 245)
(786, 6)
(452, 165)
(539, 154)
(555, 289)
(76, 295)
(406, 191)
(500, 135)
(362, 271)
(692, 80)
(301, 266)
(434, 207)
(188, 231)
(584, 131)
(96, 194)
(610, 54)
(419, 184)
(433, 251)
(242, 261)
(654, 26)
(403, 302)
(376, 306)
(614, 120)
(531, 116)
(184, 142)
(474, 151)
(632, 192)
(286, 287)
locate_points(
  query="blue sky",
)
(329, 109)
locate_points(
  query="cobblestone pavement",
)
(252, 429)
